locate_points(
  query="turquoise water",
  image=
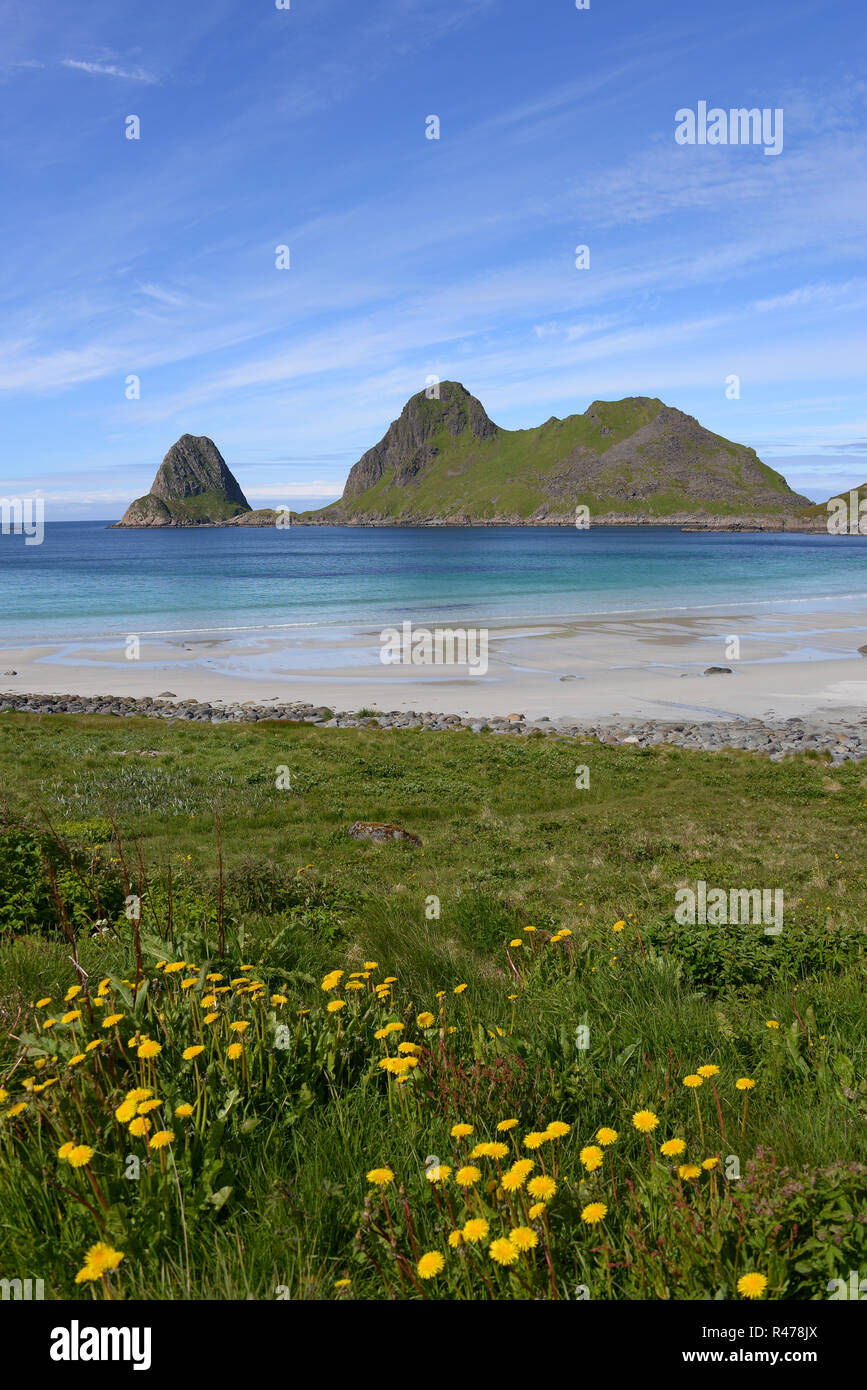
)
(86, 580)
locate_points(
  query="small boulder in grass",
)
(381, 832)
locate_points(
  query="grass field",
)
(298, 1161)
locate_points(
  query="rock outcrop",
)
(193, 487)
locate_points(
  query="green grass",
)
(271, 1184)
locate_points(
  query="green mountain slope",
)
(445, 461)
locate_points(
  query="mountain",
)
(635, 461)
(193, 487)
(843, 514)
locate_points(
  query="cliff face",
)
(444, 461)
(193, 487)
(412, 442)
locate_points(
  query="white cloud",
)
(110, 70)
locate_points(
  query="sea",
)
(86, 580)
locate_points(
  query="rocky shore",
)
(842, 740)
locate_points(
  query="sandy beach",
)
(792, 660)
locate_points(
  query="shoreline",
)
(840, 739)
(758, 659)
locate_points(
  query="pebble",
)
(774, 739)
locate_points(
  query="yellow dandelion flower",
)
(191, 1052)
(672, 1147)
(772, 1023)
(438, 1172)
(708, 1163)
(66, 1149)
(752, 1285)
(74, 1061)
(606, 1136)
(505, 1125)
(125, 1112)
(380, 1177)
(184, 1111)
(79, 1156)
(336, 1005)
(489, 1150)
(503, 1251)
(460, 1131)
(98, 1260)
(111, 1020)
(593, 1213)
(371, 965)
(430, 1265)
(689, 1170)
(618, 926)
(468, 1175)
(140, 1126)
(693, 1081)
(41, 1003)
(332, 980)
(411, 1050)
(280, 999)
(645, 1121)
(542, 1187)
(534, 1140)
(475, 1229)
(71, 1016)
(149, 1048)
(162, 1138)
(591, 1156)
(557, 1129)
(210, 1018)
(516, 943)
(425, 1019)
(148, 1105)
(709, 1070)
(744, 1083)
(234, 1051)
(523, 1238)
(536, 1210)
(455, 1239)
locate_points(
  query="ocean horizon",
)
(88, 580)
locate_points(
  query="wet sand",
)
(787, 662)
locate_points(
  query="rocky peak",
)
(407, 445)
(192, 466)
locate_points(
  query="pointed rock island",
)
(194, 487)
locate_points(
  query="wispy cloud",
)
(110, 70)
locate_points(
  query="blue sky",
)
(413, 257)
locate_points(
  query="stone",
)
(381, 832)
